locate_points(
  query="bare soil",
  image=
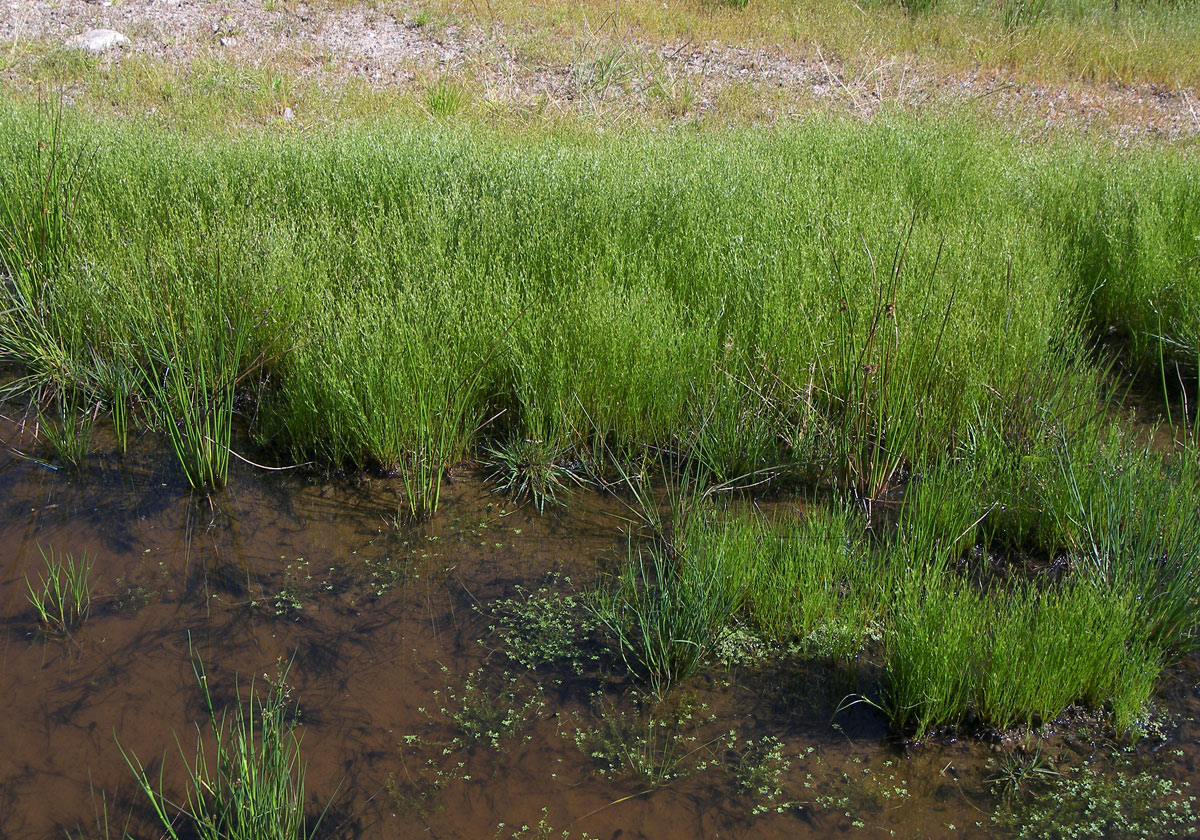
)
(390, 48)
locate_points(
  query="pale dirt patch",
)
(389, 47)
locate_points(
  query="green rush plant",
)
(530, 469)
(37, 243)
(666, 612)
(879, 377)
(442, 412)
(1130, 518)
(742, 327)
(951, 648)
(62, 596)
(115, 381)
(67, 427)
(190, 389)
(930, 654)
(810, 584)
(1023, 13)
(445, 97)
(246, 780)
(1089, 648)
(191, 357)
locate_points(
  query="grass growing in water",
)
(720, 305)
(951, 649)
(37, 246)
(251, 785)
(63, 594)
(811, 584)
(666, 612)
(191, 356)
(528, 468)
(876, 378)
(700, 350)
(67, 427)
(1129, 516)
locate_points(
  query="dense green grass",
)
(959, 642)
(810, 584)
(831, 298)
(1018, 656)
(902, 315)
(1114, 525)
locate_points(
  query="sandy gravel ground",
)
(383, 44)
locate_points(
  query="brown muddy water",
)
(385, 626)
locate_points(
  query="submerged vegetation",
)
(1086, 802)
(251, 786)
(62, 597)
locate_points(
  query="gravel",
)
(383, 44)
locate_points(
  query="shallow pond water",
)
(385, 626)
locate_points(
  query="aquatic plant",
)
(1018, 771)
(666, 612)
(528, 468)
(542, 830)
(249, 785)
(544, 626)
(102, 826)
(1089, 802)
(489, 708)
(759, 768)
(67, 427)
(62, 597)
(654, 743)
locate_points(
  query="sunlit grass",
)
(246, 780)
(62, 597)
(899, 319)
(419, 285)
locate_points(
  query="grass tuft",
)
(67, 427)
(529, 469)
(250, 786)
(63, 595)
(667, 612)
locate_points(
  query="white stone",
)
(97, 41)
